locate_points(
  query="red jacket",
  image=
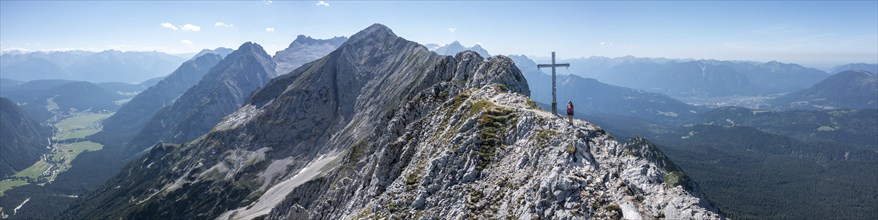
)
(570, 109)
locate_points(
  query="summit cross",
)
(553, 65)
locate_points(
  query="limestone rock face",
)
(303, 50)
(382, 127)
(495, 158)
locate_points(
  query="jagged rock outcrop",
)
(303, 50)
(496, 158)
(221, 91)
(133, 116)
(382, 127)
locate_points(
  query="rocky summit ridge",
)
(382, 127)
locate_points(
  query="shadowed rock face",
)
(221, 91)
(382, 127)
(22, 140)
(135, 114)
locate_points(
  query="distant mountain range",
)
(116, 87)
(698, 78)
(22, 140)
(46, 100)
(852, 89)
(872, 68)
(591, 97)
(221, 51)
(105, 66)
(8, 83)
(77, 96)
(455, 47)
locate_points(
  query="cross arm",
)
(555, 65)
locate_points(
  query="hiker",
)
(570, 112)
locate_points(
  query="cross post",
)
(553, 65)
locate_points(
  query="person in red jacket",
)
(570, 111)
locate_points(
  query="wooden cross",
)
(553, 65)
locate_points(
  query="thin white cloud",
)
(186, 42)
(267, 2)
(168, 25)
(222, 24)
(322, 3)
(269, 29)
(191, 28)
(20, 49)
(452, 30)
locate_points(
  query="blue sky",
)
(819, 34)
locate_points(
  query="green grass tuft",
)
(544, 136)
(674, 179)
(570, 149)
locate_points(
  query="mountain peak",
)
(377, 31)
(302, 37)
(250, 48)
